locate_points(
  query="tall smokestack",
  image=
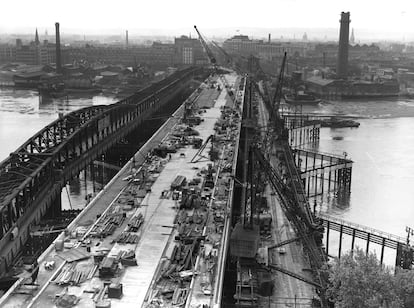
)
(126, 37)
(269, 39)
(58, 60)
(342, 64)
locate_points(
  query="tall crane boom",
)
(206, 48)
(278, 93)
(226, 55)
(298, 214)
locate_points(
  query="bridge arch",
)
(35, 173)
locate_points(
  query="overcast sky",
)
(99, 16)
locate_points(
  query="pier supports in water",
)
(322, 173)
(299, 136)
(404, 252)
(300, 131)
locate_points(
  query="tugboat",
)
(301, 98)
(52, 89)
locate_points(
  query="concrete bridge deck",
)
(156, 237)
(32, 177)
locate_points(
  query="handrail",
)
(361, 227)
(301, 148)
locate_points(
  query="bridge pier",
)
(405, 256)
(323, 172)
(353, 239)
(340, 241)
(382, 251)
(301, 135)
(55, 209)
(327, 238)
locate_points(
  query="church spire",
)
(352, 39)
(37, 42)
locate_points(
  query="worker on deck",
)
(34, 271)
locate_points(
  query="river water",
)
(382, 148)
(23, 113)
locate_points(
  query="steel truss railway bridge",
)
(32, 177)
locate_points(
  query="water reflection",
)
(23, 113)
(381, 192)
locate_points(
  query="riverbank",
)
(372, 109)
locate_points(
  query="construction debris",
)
(197, 196)
(66, 301)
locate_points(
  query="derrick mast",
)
(206, 48)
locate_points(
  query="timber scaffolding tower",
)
(320, 172)
(301, 132)
(296, 169)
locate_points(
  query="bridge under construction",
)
(220, 193)
(32, 177)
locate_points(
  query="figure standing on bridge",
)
(34, 271)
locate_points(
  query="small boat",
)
(339, 123)
(333, 122)
(301, 98)
(91, 90)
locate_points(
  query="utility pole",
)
(409, 232)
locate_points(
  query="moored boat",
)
(301, 98)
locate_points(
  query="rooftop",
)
(320, 81)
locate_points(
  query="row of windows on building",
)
(184, 51)
(241, 44)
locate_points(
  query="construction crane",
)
(229, 59)
(297, 211)
(276, 124)
(278, 92)
(291, 196)
(206, 48)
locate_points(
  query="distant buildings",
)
(35, 53)
(330, 50)
(340, 88)
(372, 82)
(189, 51)
(184, 51)
(242, 45)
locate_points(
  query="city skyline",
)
(319, 18)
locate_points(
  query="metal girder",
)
(283, 243)
(198, 156)
(68, 128)
(294, 212)
(5, 188)
(295, 275)
(18, 173)
(21, 167)
(8, 182)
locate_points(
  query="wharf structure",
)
(156, 236)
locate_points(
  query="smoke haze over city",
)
(284, 18)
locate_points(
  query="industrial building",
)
(184, 51)
(243, 45)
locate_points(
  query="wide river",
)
(382, 148)
(23, 113)
(382, 192)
